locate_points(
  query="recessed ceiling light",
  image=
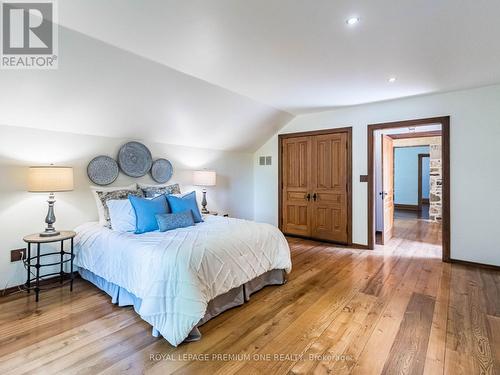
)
(352, 21)
(392, 79)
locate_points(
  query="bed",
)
(179, 279)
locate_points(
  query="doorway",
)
(384, 139)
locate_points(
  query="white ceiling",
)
(227, 74)
(299, 55)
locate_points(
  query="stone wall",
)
(436, 182)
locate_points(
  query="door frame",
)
(420, 159)
(445, 144)
(382, 239)
(281, 137)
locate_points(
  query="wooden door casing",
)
(387, 186)
(329, 187)
(296, 174)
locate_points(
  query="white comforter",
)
(176, 273)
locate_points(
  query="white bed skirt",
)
(233, 298)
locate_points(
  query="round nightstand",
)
(213, 213)
(39, 240)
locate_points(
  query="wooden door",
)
(296, 163)
(387, 187)
(329, 187)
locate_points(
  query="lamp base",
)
(50, 233)
(50, 219)
(204, 203)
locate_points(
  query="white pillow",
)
(122, 215)
(100, 207)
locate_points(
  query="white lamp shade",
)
(50, 179)
(204, 178)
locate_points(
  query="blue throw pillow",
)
(185, 203)
(174, 221)
(145, 211)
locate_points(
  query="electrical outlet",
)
(17, 254)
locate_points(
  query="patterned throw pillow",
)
(100, 208)
(153, 191)
(174, 221)
(105, 196)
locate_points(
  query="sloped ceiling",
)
(300, 55)
(103, 90)
(227, 74)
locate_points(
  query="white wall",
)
(22, 213)
(475, 154)
(406, 174)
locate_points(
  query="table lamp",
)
(204, 178)
(50, 179)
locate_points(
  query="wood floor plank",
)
(279, 302)
(48, 327)
(494, 336)
(407, 355)
(296, 338)
(334, 341)
(458, 344)
(491, 292)
(483, 354)
(379, 344)
(95, 357)
(344, 362)
(265, 326)
(436, 350)
(34, 356)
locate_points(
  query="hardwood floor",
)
(397, 309)
(409, 214)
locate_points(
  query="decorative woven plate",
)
(162, 170)
(102, 170)
(134, 159)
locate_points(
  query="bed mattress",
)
(176, 274)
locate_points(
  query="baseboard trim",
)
(315, 239)
(44, 282)
(339, 244)
(474, 264)
(407, 207)
(359, 246)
